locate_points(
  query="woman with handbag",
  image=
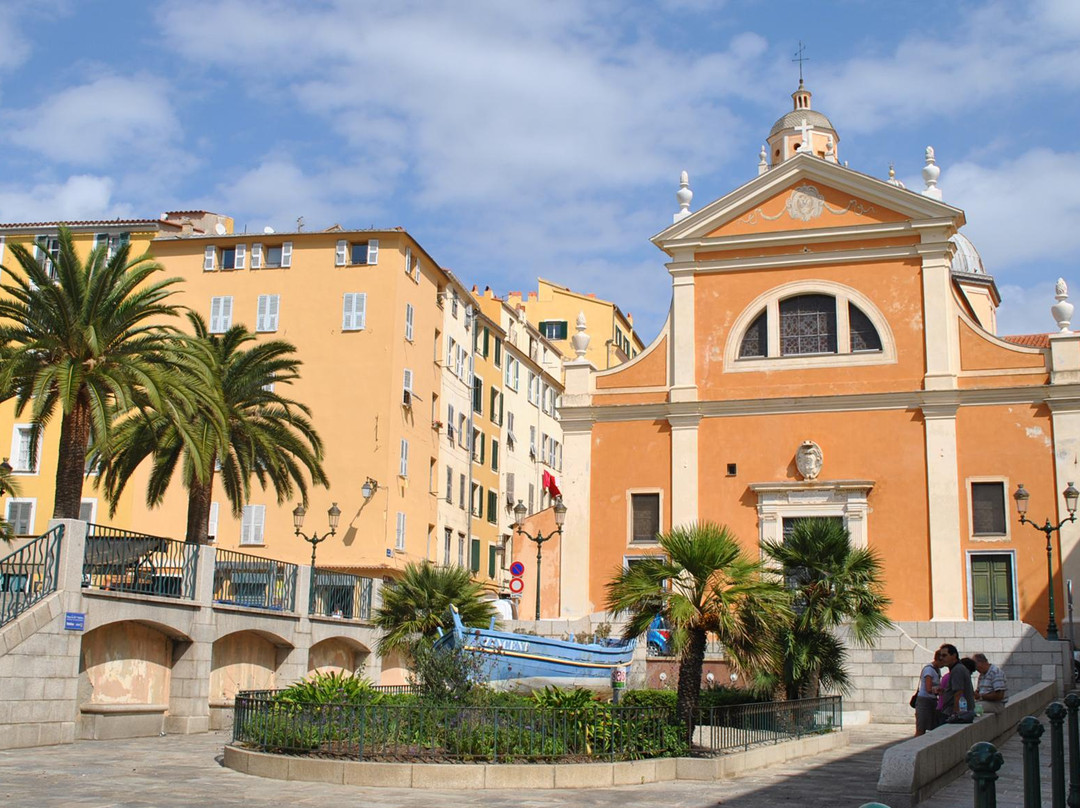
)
(926, 697)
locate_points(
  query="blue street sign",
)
(517, 568)
(74, 621)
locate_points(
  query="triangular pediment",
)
(805, 193)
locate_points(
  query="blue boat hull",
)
(511, 661)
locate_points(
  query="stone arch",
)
(125, 678)
(242, 660)
(338, 655)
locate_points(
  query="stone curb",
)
(524, 775)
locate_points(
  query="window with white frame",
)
(252, 524)
(449, 484)
(356, 252)
(461, 549)
(511, 438)
(112, 243)
(87, 510)
(25, 457)
(450, 422)
(403, 459)
(399, 544)
(212, 522)
(543, 447)
(408, 261)
(477, 500)
(448, 538)
(644, 516)
(532, 442)
(989, 513)
(409, 322)
(20, 515)
(533, 388)
(545, 399)
(353, 311)
(553, 329)
(461, 491)
(272, 256)
(513, 371)
(47, 253)
(460, 363)
(407, 394)
(220, 314)
(266, 315)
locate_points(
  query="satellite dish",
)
(219, 228)
(268, 230)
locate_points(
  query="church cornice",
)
(1057, 397)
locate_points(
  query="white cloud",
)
(78, 197)
(104, 121)
(999, 51)
(1021, 212)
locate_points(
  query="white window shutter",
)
(215, 315)
(259, 523)
(361, 310)
(408, 259)
(261, 318)
(373, 251)
(286, 254)
(210, 259)
(347, 311)
(256, 256)
(409, 322)
(275, 304)
(340, 253)
(241, 256)
(1, 249)
(226, 313)
(211, 528)
(400, 543)
(403, 465)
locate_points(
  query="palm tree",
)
(83, 340)
(832, 583)
(418, 604)
(9, 487)
(701, 583)
(245, 429)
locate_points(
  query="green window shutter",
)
(562, 330)
(493, 506)
(500, 409)
(487, 341)
(498, 352)
(483, 441)
(493, 409)
(494, 455)
(474, 560)
(478, 395)
(491, 559)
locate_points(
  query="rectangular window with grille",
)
(988, 509)
(645, 512)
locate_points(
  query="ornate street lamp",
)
(298, 514)
(1071, 496)
(520, 512)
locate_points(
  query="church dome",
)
(794, 120)
(966, 259)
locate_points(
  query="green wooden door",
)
(992, 587)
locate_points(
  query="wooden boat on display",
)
(512, 661)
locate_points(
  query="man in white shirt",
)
(993, 690)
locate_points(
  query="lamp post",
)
(560, 516)
(1071, 495)
(334, 514)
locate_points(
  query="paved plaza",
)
(186, 770)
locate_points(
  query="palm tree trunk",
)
(690, 666)
(198, 514)
(71, 459)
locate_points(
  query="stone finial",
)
(1062, 311)
(581, 340)
(763, 164)
(892, 177)
(683, 197)
(830, 149)
(930, 174)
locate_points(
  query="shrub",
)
(724, 696)
(649, 698)
(330, 688)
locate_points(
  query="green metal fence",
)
(126, 561)
(740, 726)
(340, 594)
(29, 574)
(254, 581)
(432, 733)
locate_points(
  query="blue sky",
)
(517, 139)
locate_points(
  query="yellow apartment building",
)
(553, 309)
(487, 407)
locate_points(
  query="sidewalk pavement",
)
(185, 770)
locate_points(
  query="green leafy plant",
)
(331, 688)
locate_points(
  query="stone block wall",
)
(884, 677)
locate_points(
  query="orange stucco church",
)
(831, 351)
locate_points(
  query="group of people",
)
(946, 695)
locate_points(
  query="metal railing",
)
(740, 726)
(340, 594)
(126, 561)
(255, 582)
(29, 574)
(431, 733)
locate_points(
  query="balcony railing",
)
(254, 582)
(29, 574)
(126, 561)
(740, 726)
(340, 594)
